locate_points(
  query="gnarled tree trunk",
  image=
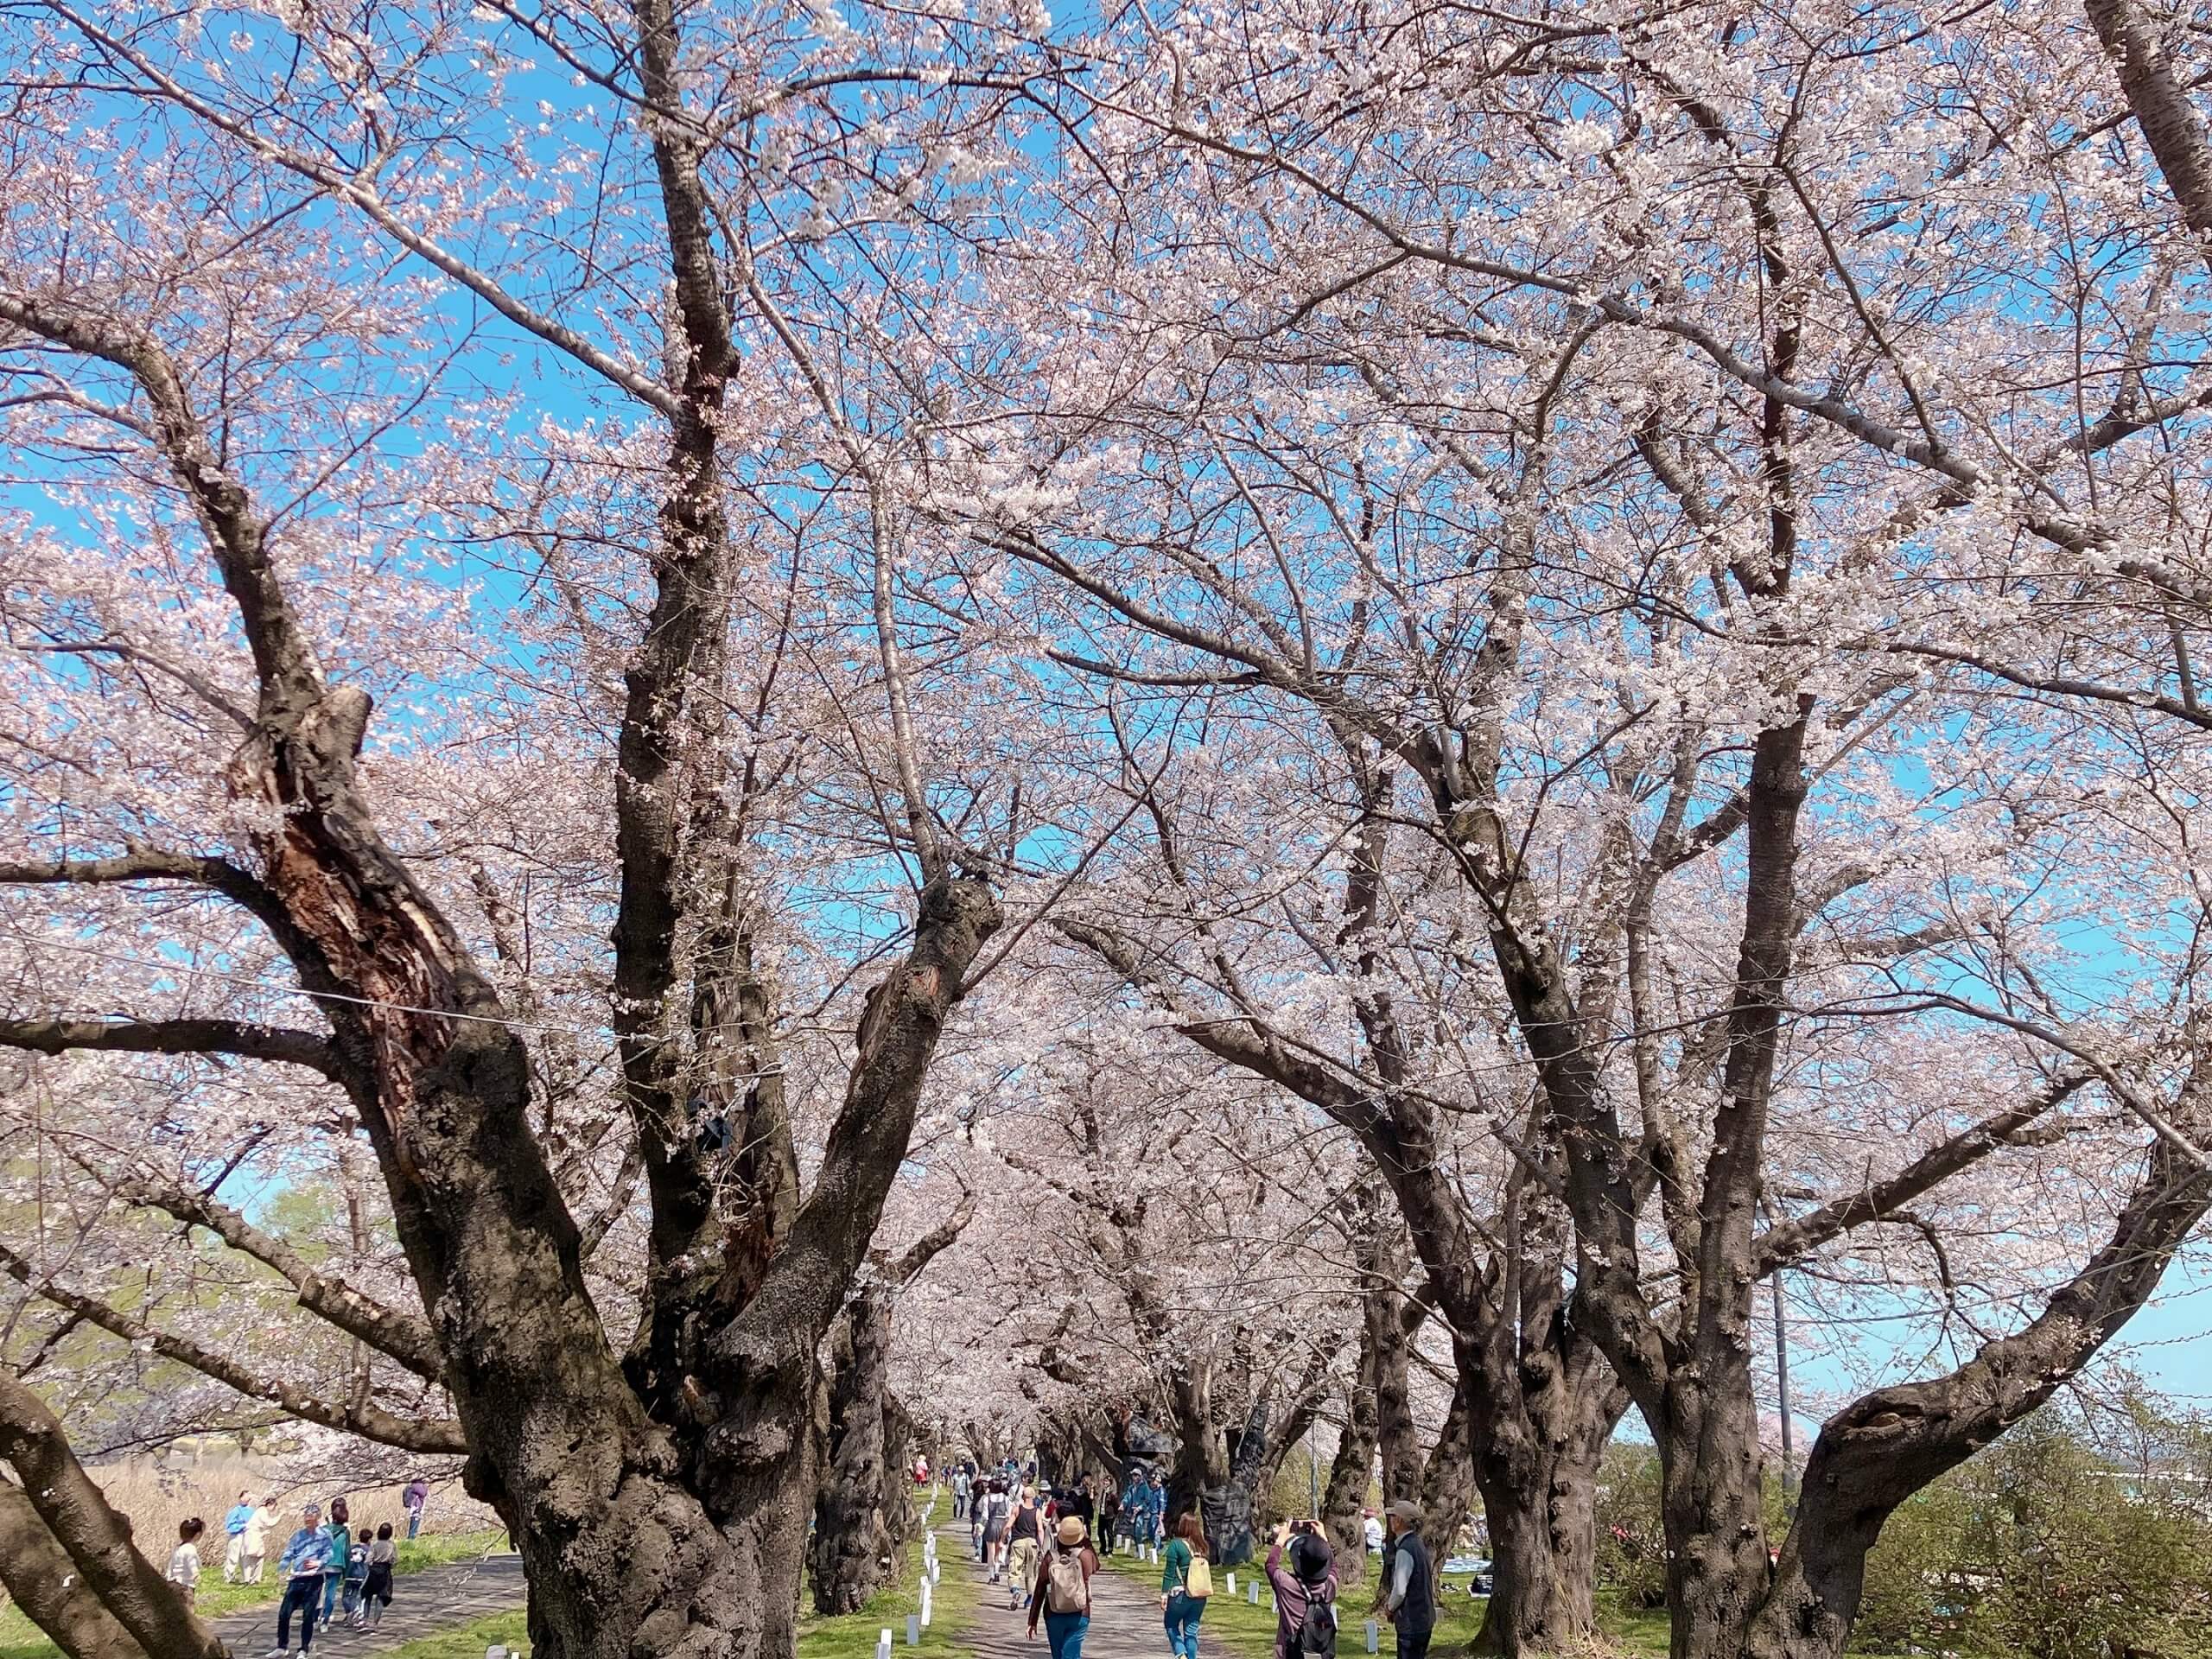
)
(852, 1548)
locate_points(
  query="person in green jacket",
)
(1181, 1610)
(341, 1549)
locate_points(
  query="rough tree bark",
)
(660, 1506)
(58, 1511)
(1345, 1496)
(39, 1574)
(861, 1511)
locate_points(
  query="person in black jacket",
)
(1410, 1602)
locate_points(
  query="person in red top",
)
(1062, 1595)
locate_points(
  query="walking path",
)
(1125, 1622)
(436, 1599)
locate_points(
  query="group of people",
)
(331, 1573)
(1301, 1570)
(336, 1577)
(1039, 1542)
(1136, 1516)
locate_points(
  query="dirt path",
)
(423, 1604)
(1125, 1622)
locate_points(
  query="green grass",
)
(508, 1630)
(853, 1636)
(1248, 1631)
(20, 1639)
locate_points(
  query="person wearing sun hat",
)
(1062, 1595)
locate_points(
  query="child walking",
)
(357, 1574)
(375, 1587)
(184, 1560)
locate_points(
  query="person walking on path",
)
(255, 1539)
(1306, 1586)
(1409, 1600)
(1062, 1595)
(234, 1537)
(994, 1517)
(375, 1587)
(1024, 1536)
(415, 1500)
(339, 1555)
(301, 1566)
(1186, 1581)
(960, 1494)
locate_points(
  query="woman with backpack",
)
(1305, 1595)
(1063, 1591)
(995, 1510)
(1186, 1581)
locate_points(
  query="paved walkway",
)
(423, 1604)
(1125, 1622)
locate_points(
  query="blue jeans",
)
(414, 1521)
(331, 1582)
(1182, 1621)
(300, 1595)
(1063, 1631)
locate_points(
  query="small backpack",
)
(1198, 1582)
(1066, 1590)
(1317, 1636)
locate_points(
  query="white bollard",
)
(883, 1645)
(497, 1651)
(1232, 1583)
(1252, 1590)
(937, 1569)
(926, 1604)
(1374, 1637)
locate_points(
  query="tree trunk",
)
(851, 1537)
(1447, 1476)
(1346, 1495)
(899, 1515)
(1538, 1476)
(46, 1585)
(59, 1511)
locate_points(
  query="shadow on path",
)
(1125, 1622)
(438, 1598)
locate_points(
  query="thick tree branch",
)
(398, 1336)
(45, 1583)
(1791, 1241)
(370, 1421)
(78, 1517)
(244, 1038)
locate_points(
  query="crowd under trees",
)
(1176, 732)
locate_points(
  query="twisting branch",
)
(1792, 1240)
(370, 1421)
(398, 1336)
(78, 1517)
(242, 1038)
